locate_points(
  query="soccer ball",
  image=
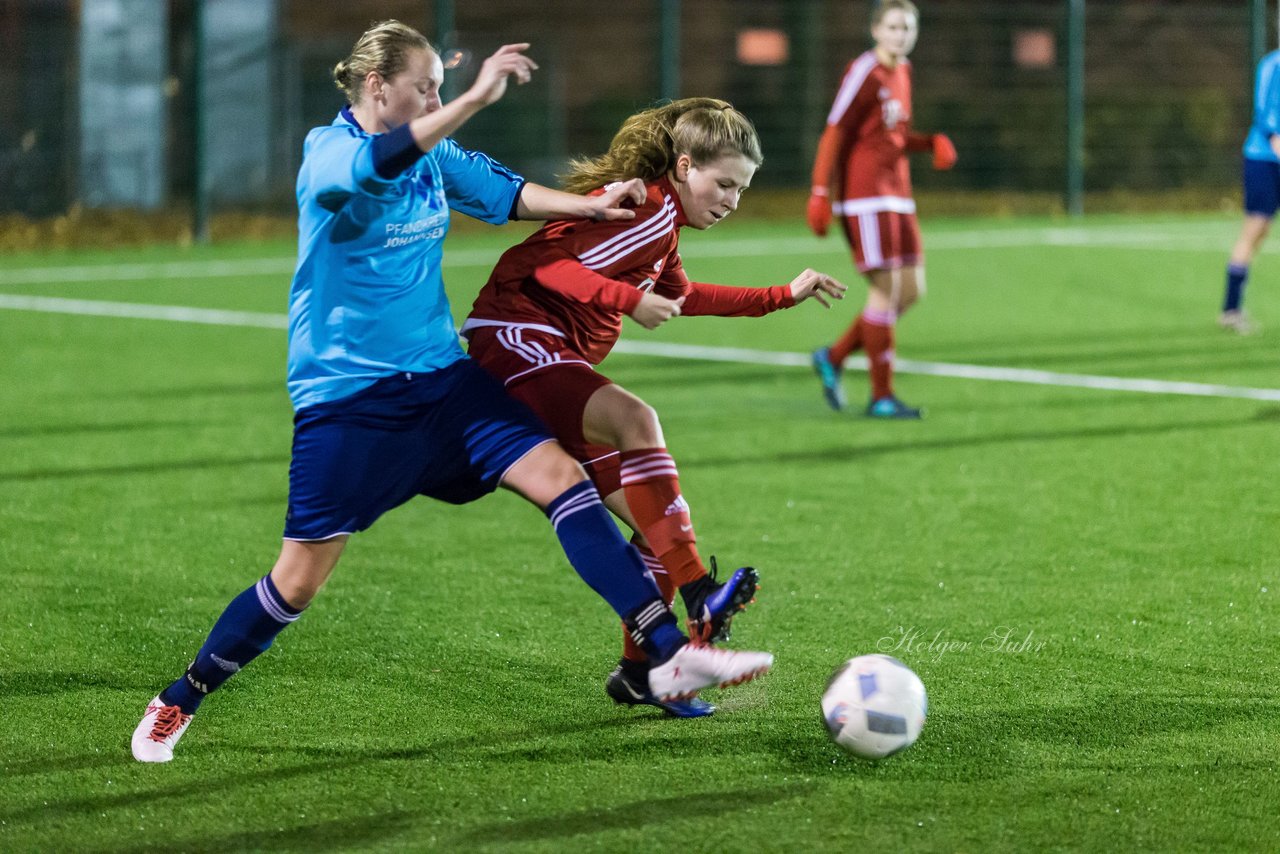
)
(874, 706)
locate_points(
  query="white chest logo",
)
(648, 283)
(890, 108)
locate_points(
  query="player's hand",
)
(653, 310)
(616, 201)
(944, 152)
(508, 61)
(811, 283)
(819, 214)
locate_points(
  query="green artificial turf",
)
(1085, 580)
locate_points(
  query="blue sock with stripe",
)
(613, 568)
(243, 632)
(1237, 274)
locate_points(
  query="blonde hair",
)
(648, 144)
(383, 48)
(884, 7)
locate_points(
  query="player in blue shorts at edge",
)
(387, 405)
(1261, 191)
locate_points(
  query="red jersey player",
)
(552, 310)
(861, 174)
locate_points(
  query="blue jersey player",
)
(387, 405)
(1261, 190)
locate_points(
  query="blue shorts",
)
(449, 434)
(1261, 187)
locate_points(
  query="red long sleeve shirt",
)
(577, 278)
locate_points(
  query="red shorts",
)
(883, 240)
(541, 371)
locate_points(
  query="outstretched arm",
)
(726, 301)
(539, 202)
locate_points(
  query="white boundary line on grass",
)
(219, 317)
(1099, 237)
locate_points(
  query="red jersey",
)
(577, 278)
(873, 107)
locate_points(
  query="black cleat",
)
(628, 690)
(712, 606)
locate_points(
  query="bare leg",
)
(304, 567)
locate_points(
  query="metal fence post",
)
(446, 37)
(1075, 107)
(200, 199)
(1257, 32)
(669, 49)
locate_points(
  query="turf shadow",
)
(58, 764)
(632, 816)
(166, 789)
(645, 377)
(339, 834)
(275, 387)
(141, 468)
(1122, 720)
(1147, 360)
(78, 429)
(1087, 340)
(850, 453)
(324, 762)
(37, 683)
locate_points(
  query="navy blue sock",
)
(243, 632)
(1237, 274)
(613, 568)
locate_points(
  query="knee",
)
(913, 289)
(562, 472)
(303, 568)
(296, 584)
(640, 427)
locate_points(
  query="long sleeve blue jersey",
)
(1266, 110)
(368, 299)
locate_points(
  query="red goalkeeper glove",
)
(944, 153)
(819, 214)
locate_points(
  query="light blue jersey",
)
(1266, 110)
(368, 299)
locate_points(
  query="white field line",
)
(143, 311)
(1098, 237)
(217, 317)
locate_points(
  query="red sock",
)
(849, 342)
(878, 339)
(651, 486)
(630, 649)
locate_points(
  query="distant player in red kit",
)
(552, 310)
(861, 175)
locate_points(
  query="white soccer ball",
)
(874, 706)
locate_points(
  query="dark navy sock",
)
(1237, 274)
(612, 567)
(243, 632)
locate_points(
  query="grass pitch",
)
(1085, 580)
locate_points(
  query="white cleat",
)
(695, 667)
(158, 732)
(1238, 322)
